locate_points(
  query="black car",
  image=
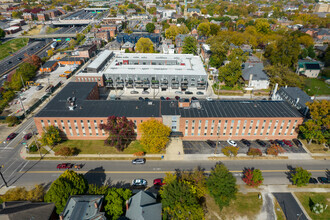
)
(261, 143)
(313, 180)
(147, 99)
(323, 180)
(211, 143)
(188, 93)
(297, 142)
(281, 143)
(246, 142)
(162, 98)
(117, 98)
(194, 98)
(140, 98)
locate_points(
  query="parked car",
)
(9, 62)
(145, 92)
(27, 136)
(297, 142)
(289, 143)
(188, 93)
(117, 98)
(11, 136)
(232, 143)
(139, 182)
(178, 92)
(49, 88)
(177, 97)
(279, 142)
(209, 99)
(159, 182)
(272, 142)
(323, 180)
(168, 98)
(194, 98)
(200, 93)
(211, 143)
(20, 58)
(162, 98)
(134, 92)
(313, 180)
(246, 142)
(39, 88)
(140, 98)
(146, 99)
(139, 161)
(64, 166)
(261, 143)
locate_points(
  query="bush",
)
(230, 151)
(253, 177)
(12, 121)
(21, 194)
(33, 148)
(67, 151)
(275, 150)
(254, 152)
(139, 153)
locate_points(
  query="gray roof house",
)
(255, 75)
(143, 206)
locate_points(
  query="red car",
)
(27, 136)
(159, 182)
(168, 98)
(289, 143)
(11, 136)
(177, 97)
(64, 166)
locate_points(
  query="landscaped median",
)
(315, 204)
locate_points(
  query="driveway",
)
(290, 206)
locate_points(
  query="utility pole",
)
(3, 177)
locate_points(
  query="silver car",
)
(139, 161)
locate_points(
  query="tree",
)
(150, 27)
(21, 194)
(219, 50)
(221, 185)
(2, 33)
(214, 29)
(50, 136)
(66, 151)
(230, 73)
(12, 120)
(16, 14)
(50, 53)
(121, 132)
(171, 32)
(262, 26)
(154, 135)
(254, 152)
(97, 190)
(68, 184)
(252, 177)
(33, 59)
(300, 177)
(204, 29)
(275, 150)
(115, 201)
(230, 151)
(283, 76)
(67, 8)
(189, 45)
(144, 45)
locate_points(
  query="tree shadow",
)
(290, 173)
(120, 184)
(96, 176)
(311, 203)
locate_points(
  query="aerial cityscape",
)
(164, 109)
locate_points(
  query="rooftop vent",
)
(149, 103)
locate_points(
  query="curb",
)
(301, 206)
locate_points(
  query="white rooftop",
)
(99, 60)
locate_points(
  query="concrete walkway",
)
(174, 150)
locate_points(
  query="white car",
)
(178, 92)
(209, 99)
(139, 182)
(232, 143)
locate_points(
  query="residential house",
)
(113, 29)
(323, 35)
(179, 41)
(83, 207)
(43, 16)
(308, 68)
(29, 16)
(143, 206)
(86, 51)
(104, 35)
(295, 96)
(255, 76)
(192, 12)
(133, 38)
(205, 52)
(128, 45)
(114, 45)
(167, 49)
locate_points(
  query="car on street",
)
(20, 58)
(146, 99)
(11, 136)
(159, 182)
(194, 98)
(140, 98)
(64, 166)
(279, 142)
(211, 143)
(9, 62)
(323, 180)
(139, 161)
(313, 180)
(39, 88)
(27, 136)
(134, 92)
(145, 92)
(177, 97)
(209, 99)
(178, 92)
(246, 142)
(168, 98)
(200, 93)
(261, 143)
(117, 98)
(188, 93)
(162, 98)
(232, 143)
(288, 143)
(139, 182)
(272, 142)
(297, 142)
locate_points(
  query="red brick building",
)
(79, 114)
(49, 66)
(104, 35)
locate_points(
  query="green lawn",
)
(97, 147)
(316, 87)
(50, 30)
(246, 206)
(306, 198)
(12, 46)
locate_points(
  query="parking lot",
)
(203, 147)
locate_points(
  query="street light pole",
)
(3, 177)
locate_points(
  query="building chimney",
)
(274, 92)
(61, 217)
(127, 206)
(95, 205)
(297, 101)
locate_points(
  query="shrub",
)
(253, 177)
(230, 151)
(33, 148)
(275, 150)
(139, 153)
(12, 120)
(254, 152)
(66, 151)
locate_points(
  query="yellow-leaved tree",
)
(144, 45)
(155, 135)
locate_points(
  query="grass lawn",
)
(12, 46)
(50, 30)
(35, 31)
(316, 87)
(246, 205)
(309, 197)
(315, 148)
(97, 147)
(278, 211)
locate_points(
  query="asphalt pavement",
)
(290, 206)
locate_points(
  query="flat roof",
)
(100, 59)
(57, 107)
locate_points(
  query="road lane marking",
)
(9, 166)
(115, 172)
(23, 166)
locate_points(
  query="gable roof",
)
(312, 66)
(293, 93)
(143, 206)
(257, 71)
